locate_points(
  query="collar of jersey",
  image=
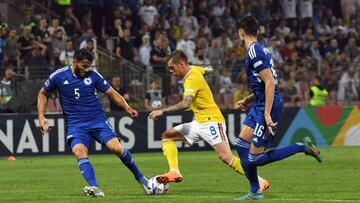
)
(187, 74)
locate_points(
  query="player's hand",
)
(44, 126)
(242, 105)
(155, 114)
(270, 124)
(132, 112)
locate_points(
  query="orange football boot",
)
(170, 177)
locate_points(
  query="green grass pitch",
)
(206, 179)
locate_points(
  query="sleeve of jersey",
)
(50, 84)
(190, 86)
(101, 84)
(259, 61)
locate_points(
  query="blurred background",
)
(314, 43)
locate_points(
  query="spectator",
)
(200, 58)
(215, 54)
(116, 30)
(314, 52)
(154, 98)
(234, 64)
(226, 90)
(158, 62)
(25, 43)
(148, 13)
(165, 9)
(90, 46)
(145, 50)
(125, 48)
(349, 86)
(67, 55)
(36, 60)
(289, 9)
(11, 52)
(70, 22)
(116, 84)
(219, 8)
(58, 41)
(55, 25)
(274, 50)
(318, 93)
(189, 24)
(89, 34)
(352, 49)
(187, 46)
(41, 33)
(6, 91)
(55, 62)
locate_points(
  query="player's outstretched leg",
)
(87, 170)
(126, 158)
(171, 153)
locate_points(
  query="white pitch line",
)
(232, 197)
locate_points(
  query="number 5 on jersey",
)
(76, 92)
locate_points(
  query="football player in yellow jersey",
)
(209, 123)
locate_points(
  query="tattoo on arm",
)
(184, 104)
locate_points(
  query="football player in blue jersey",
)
(260, 124)
(84, 118)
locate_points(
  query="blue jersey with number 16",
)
(78, 97)
(258, 59)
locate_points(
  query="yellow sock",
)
(171, 153)
(236, 165)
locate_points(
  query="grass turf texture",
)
(206, 179)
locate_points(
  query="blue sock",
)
(243, 148)
(87, 171)
(276, 154)
(129, 162)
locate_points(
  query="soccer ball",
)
(158, 188)
(156, 104)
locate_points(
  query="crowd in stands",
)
(308, 39)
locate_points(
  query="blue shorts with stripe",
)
(256, 120)
(84, 133)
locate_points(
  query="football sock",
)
(275, 154)
(243, 149)
(87, 171)
(171, 153)
(129, 162)
(236, 165)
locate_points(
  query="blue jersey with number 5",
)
(258, 59)
(78, 97)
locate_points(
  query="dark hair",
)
(90, 40)
(250, 25)
(178, 56)
(82, 54)
(68, 40)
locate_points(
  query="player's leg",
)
(79, 146)
(124, 155)
(170, 151)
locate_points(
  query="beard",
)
(80, 74)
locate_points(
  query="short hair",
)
(250, 25)
(82, 54)
(178, 56)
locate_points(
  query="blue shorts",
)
(256, 120)
(101, 131)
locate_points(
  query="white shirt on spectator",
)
(188, 47)
(284, 30)
(144, 53)
(275, 53)
(67, 56)
(323, 29)
(190, 25)
(148, 14)
(204, 61)
(346, 81)
(289, 8)
(84, 42)
(218, 11)
(306, 8)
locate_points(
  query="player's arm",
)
(243, 103)
(41, 106)
(184, 104)
(120, 101)
(268, 78)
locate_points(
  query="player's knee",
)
(80, 152)
(117, 149)
(164, 135)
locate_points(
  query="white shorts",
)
(212, 133)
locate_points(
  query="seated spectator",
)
(67, 55)
(200, 58)
(89, 34)
(154, 98)
(41, 33)
(116, 84)
(58, 41)
(6, 91)
(35, 60)
(349, 86)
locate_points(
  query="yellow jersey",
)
(203, 104)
